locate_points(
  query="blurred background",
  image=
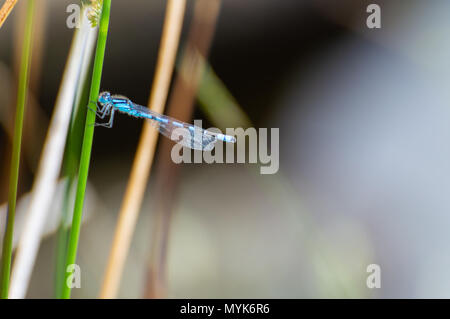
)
(364, 154)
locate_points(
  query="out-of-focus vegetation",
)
(363, 173)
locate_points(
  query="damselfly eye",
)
(104, 97)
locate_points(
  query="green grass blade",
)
(70, 166)
(70, 169)
(87, 145)
(15, 160)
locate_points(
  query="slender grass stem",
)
(86, 146)
(15, 160)
(70, 169)
(46, 181)
(72, 153)
(6, 10)
(180, 106)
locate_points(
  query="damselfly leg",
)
(109, 124)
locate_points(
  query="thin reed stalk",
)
(181, 106)
(6, 10)
(146, 149)
(70, 169)
(86, 146)
(49, 168)
(72, 154)
(15, 159)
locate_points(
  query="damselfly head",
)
(105, 98)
